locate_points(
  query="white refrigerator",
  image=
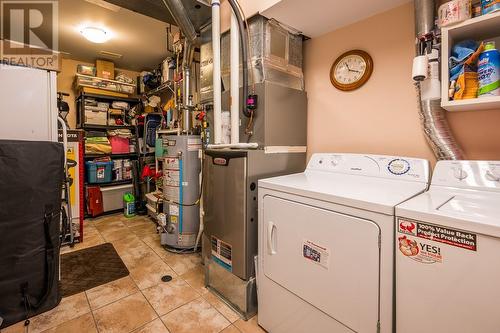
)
(28, 104)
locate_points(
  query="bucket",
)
(129, 205)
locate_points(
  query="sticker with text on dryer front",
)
(458, 238)
(419, 251)
(315, 253)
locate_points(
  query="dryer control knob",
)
(493, 175)
(460, 174)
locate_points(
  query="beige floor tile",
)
(82, 324)
(87, 242)
(184, 262)
(197, 316)
(104, 219)
(110, 292)
(196, 278)
(156, 326)
(133, 222)
(231, 329)
(249, 326)
(124, 315)
(130, 242)
(168, 296)
(148, 274)
(110, 226)
(144, 230)
(70, 308)
(222, 307)
(139, 256)
(116, 235)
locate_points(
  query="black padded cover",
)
(31, 176)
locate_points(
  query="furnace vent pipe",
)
(216, 71)
(235, 80)
(432, 116)
(181, 17)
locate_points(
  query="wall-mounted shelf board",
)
(482, 28)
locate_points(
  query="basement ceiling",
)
(317, 17)
(141, 40)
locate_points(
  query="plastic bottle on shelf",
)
(490, 6)
(489, 71)
(129, 205)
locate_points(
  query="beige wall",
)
(381, 116)
(65, 79)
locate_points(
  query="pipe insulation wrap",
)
(216, 71)
(235, 80)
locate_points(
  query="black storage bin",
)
(31, 176)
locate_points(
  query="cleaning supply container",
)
(99, 172)
(489, 71)
(490, 6)
(129, 205)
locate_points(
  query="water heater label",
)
(171, 177)
(173, 210)
(222, 253)
(171, 193)
(458, 238)
(316, 253)
(187, 239)
(194, 144)
(172, 163)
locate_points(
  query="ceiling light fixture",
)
(95, 35)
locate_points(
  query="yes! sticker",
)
(419, 251)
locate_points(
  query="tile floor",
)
(141, 302)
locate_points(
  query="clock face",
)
(351, 70)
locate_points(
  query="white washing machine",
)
(448, 252)
(326, 243)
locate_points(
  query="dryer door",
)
(328, 259)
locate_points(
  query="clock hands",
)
(351, 70)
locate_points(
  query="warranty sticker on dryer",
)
(315, 253)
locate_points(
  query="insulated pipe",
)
(235, 81)
(216, 71)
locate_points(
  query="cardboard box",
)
(96, 117)
(97, 91)
(105, 69)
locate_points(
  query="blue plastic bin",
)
(98, 172)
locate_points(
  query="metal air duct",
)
(432, 116)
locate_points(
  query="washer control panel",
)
(467, 174)
(394, 167)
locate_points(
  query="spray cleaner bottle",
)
(489, 71)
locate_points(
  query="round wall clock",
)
(351, 70)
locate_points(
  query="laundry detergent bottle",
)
(489, 71)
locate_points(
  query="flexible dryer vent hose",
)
(436, 128)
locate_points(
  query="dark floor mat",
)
(88, 268)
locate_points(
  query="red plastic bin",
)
(119, 145)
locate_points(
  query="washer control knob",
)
(493, 175)
(460, 174)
